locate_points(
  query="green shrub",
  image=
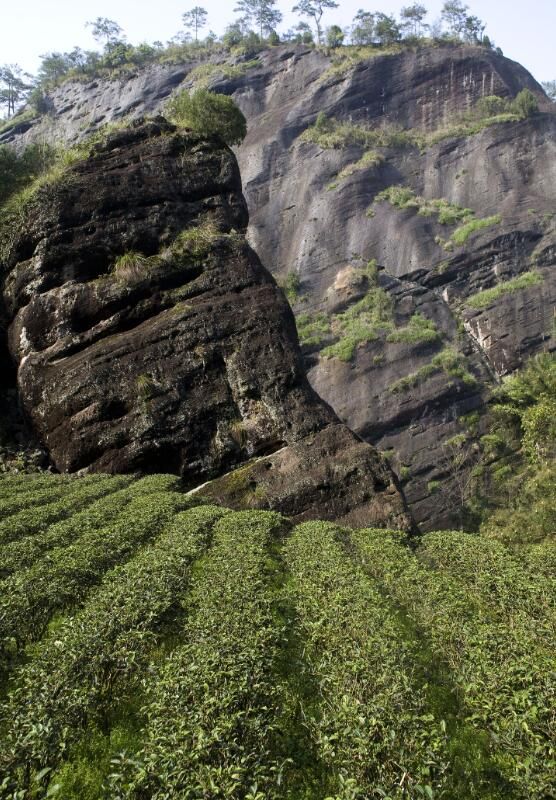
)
(518, 496)
(32, 519)
(16, 171)
(131, 266)
(413, 380)
(46, 172)
(369, 718)
(196, 243)
(404, 197)
(146, 386)
(361, 323)
(65, 575)
(17, 119)
(214, 708)
(447, 360)
(77, 668)
(453, 364)
(525, 104)
(159, 653)
(491, 105)
(202, 75)
(208, 114)
(21, 554)
(346, 59)
(493, 625)
(291, 286)
(331, 133)
(399, 196)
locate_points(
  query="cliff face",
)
(148, 336)
(407, 390)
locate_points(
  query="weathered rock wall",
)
(306, 226)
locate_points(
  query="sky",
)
(525, 31)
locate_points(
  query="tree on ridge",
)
(314, 9)
(261, 12)
(195, 19)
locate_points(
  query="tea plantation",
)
(151, 647)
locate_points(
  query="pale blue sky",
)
(526, 31)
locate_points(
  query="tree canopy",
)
(255, 26)
(106, 30)
(194, 20)
(314, 9)
(412, 19)
(262, 12)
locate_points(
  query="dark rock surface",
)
(335, 472)
(298, 225)
(181, 356)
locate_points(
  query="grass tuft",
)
(489, 296)
(462, 234)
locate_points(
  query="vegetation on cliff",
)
(515, 481)
(208, 114)
(330, 133)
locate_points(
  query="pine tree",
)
(194, 20)
(412, 19)
(14, 86)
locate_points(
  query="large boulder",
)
(148, 336)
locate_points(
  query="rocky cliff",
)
(148, 336)
(406, 353)
(407, 388)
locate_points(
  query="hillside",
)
(278, 421)
(460, 289)
(151, 648)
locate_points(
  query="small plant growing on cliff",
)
(202, 75)
(312, 329)
(369, 159)
(462, 234)
(196, 242)
(238, 432)
(334, 134)
(146, 386)
(208, 114)
(131, 266)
